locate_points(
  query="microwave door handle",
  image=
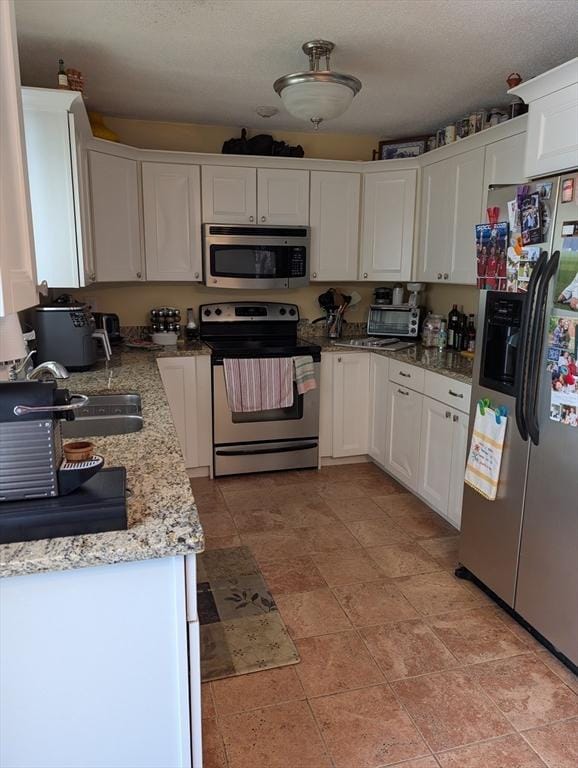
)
(534, 370)
(524, 333)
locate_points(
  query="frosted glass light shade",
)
(316, 101)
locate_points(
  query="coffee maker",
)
(65, 331)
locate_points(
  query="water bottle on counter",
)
(443, 336)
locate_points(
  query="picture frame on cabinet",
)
(397, 149)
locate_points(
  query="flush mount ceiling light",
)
(318, 94)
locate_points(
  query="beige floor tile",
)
(327, 538)
(424, 525)
(380, 486)
(438, 592)
(556, 744)
(307, 614)
(362, 508)
(207, 701)
(476, 635)
(275, 545)
(402, 560)
(420, 762)
(346, 567)
(377, 532)
(222, 542)
(406, 649)
(444, 550)
(288, 514)
(335, 663)
(333, 491)
(298, 574)
(506, 752)
(257, 690)
(401, 504)
(367, 728)
(374, 602)
(282, 736)
(213, 748)
(450, 709)
(217, 523)
(526, 691)
(244, 482)
(565, 674)
(519, 631)
(248, 499)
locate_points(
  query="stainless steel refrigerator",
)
(523, 545)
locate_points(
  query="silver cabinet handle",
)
(455, 418)
(139, 275)
(448, 414)
(365, 275)
(403, 391)
(92, 277)
(455, 394)
(439, 275)
(197, 274)
(405, 375)
(315, 274)
(338, 359)
(20, 410)
(446, 275)
(263, 218)
(251, 218)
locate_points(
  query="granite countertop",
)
(447, 363)
(162, 515)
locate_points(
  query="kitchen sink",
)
(106, 415)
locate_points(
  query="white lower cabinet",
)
(378, 377)
(350, 404)
(187, 383)
(458, 466)
(435, 453)
(326, 406)
(403, 433)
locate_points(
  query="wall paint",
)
(191, 137)
(132, 302)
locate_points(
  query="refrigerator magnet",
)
(568, 190)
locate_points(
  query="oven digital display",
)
(251, 311)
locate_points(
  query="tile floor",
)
(401, 663)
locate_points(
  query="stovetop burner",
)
(262, 347)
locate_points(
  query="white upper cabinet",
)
(387, 225)
(451, 206)
(229, 195)
(334, 221)
(17, 264)
(350, 404)
(552, 140)
(115, 218)
(172, 221)
(504, 162)
(282, 197)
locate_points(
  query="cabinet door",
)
(334, 220)
(326, 405)
(403, 433)
(172, 221)
(229, 195)
(378, 375)
(283, 196)
(188, 389)
(350, 404)
(435, 222)
(504, 164)
(435, 454)
(466, 200)
(459, 456)
(17, 264)
(115, 218)
(552, 139)
(387, 225)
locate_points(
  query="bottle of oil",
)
(62, 76)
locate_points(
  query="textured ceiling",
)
(422, 62)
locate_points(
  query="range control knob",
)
(218, 311)
(207, 312)
(292, 312)
(282, 311)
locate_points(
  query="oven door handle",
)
(257, 451)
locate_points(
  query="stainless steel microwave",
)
(393, 320)
(255, 257)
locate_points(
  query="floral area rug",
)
(241, 629)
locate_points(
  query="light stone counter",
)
(162, 515)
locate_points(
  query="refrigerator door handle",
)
(534, 368)
(523, 341)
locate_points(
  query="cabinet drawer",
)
(407, 375)
(448, 391)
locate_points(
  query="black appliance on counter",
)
(42, 495)
(261, 441)
(65, 333)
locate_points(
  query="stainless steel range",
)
(268, 440)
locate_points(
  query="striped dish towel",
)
(304, 374)
(485, 457)
(259, 384)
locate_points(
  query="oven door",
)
(301, 420)
(251, 261)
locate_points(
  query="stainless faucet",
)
(49, 368)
